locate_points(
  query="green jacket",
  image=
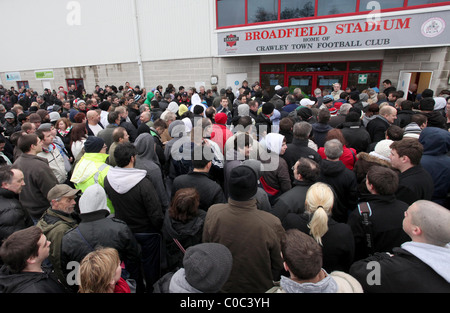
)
(91, 169)
(54, 225)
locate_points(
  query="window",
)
(365, 66)
(316, 67)
(309, 76)
(296, 9)
(230, 12)
(262, 11)
(78, 82)
(23, 83)
(423, 2)
(233, 12)
(383, 4)
(331, 7)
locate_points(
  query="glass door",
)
(327, 81)
(304, 82)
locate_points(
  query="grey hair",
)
(302, 130)
(333, 149)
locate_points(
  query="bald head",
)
(426, 221)
(93, 117)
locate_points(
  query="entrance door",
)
(307, 83)
(327, 81)
(304, 82)
(420, 79)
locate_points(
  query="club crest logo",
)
(433, 27)
(231, 40)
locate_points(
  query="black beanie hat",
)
(93, 144)
(243, 183)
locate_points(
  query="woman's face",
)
(62, 125)
(283, 148)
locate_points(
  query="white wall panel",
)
(40, 37)
(175, 29)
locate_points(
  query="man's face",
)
(82, 106)
(44, 248)
(38, 146)
(395, 159)
(224, 103)
(144, 118)
(48, 139)
(65, 204)
(17, 182)
(336, 87)
(392, 116)
(391, 98)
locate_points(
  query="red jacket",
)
(348, 157)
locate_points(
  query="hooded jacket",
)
(343, 182)
(435, 160)
(413, 268)
(89, 170)
(97, 229)
(275, 180)
(319, 133)
(147, 159)
(29, 282)
(188, 234)
(135, 199)
(335, 282)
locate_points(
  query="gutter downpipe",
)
(137, 43)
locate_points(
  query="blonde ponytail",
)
(319, 224)
(319, 201)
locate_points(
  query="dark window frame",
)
(357, 12)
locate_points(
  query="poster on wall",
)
(44, 74)
(388, 32)
(13, 76)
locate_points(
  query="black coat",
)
(210, 192)
(377, 129)
(387, 225)
(356, 135)
(297, 149)
(337, 243)
(140, 207)
(262, 122)
(404, 117)
(13, 216)
(402, 272)
(30, 282)
(98, 230)
(343, 181)
(415, 184)
(292, 201)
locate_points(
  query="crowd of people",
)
(179, 190)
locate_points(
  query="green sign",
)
(362, 79)
(44, 74)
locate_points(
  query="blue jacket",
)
(436, 145)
